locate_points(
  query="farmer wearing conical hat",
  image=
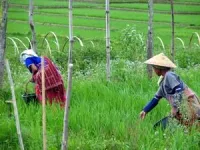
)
(185, 106)
(54, 86)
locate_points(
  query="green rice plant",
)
(48, 45)
(20, 42)
(103, 115)
(128, 15)
(96, 25)
(79, 40)
(161, 41)
(56, 40)
(189, 1)
(14, 44)
(8, 138)
(133, 45)
(158, 8)
(183, 44)
(42, 3)
(187, 57)
(198, 38)
(29, 41)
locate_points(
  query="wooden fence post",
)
(15, 106)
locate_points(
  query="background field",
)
(103, 115)
(90, 16)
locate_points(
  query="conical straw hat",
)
(161, 60)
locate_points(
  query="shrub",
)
(187, 58)
(133, 44)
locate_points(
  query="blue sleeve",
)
(28, 62)
(152, 104)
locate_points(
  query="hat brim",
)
(160, 60)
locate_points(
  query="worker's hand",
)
(142, 114)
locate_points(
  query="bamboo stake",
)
(66, 114)
(3, 29)
(67, 106)
(31, 23)
(108, 40)
(15, 106)
(150, 37)
(43, 106)
(172, 24)
(71, 38)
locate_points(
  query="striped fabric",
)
(52, 76)
(54, 86)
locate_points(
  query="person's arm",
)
(33, 69)
(150, 106)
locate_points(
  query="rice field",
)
(90, 16)
(103, 115)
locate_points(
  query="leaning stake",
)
(15, 106)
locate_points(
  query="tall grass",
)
(103, 115)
